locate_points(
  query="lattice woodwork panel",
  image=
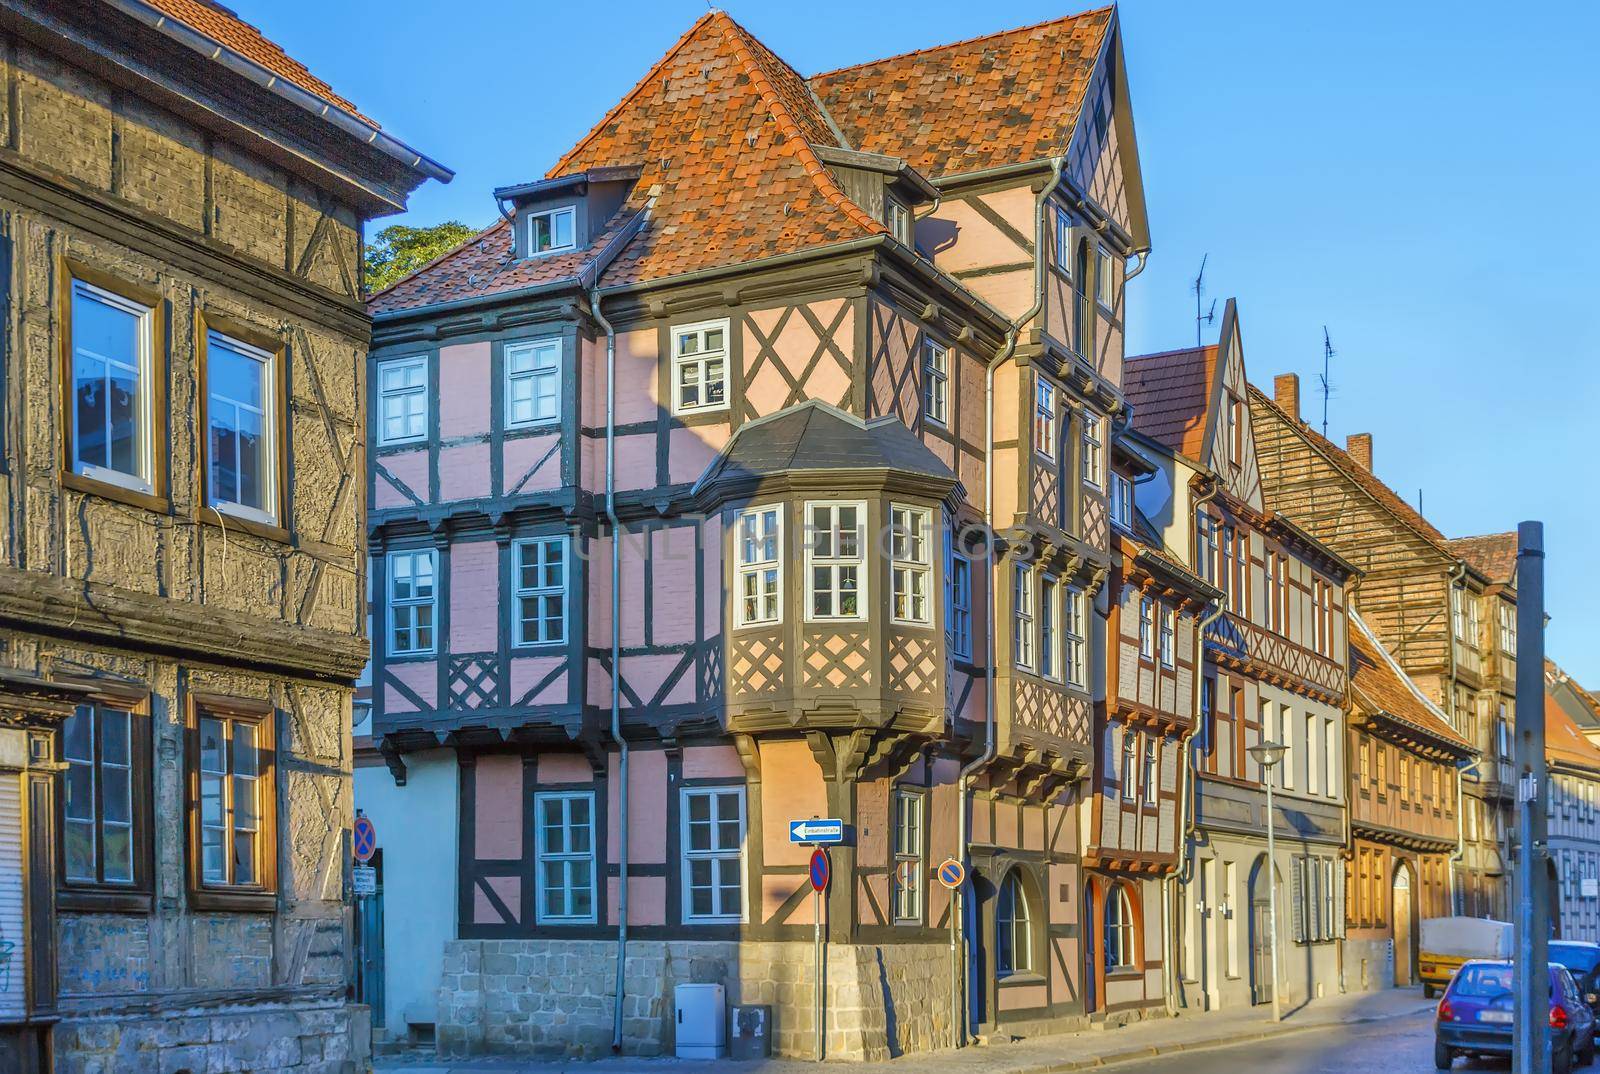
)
(755, 662)
(839, 661)
(1044, 493)
(1096, 529)
(711, 669)
(894, 370)
(474, 680)
(817, 340)
(913, 664)
(1051, 712)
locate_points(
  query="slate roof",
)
(1380, 687)
(1002, 98)
(231, 32)
(1170, 393)
(1493, 554)
(815, 436)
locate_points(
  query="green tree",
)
(397, 250)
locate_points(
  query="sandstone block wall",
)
(301, 1040)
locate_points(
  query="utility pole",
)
(1531, 926)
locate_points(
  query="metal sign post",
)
(1531, 1017)
(820, 873)
(952, 874)
(363, 845)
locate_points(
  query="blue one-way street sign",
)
(817, 830)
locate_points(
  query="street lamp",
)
(1267, 755)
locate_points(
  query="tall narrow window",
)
(936, 381)
(1130, 765)
(1169, 630)
(1093, 452)
(911, 566)
(1081, 315)
(1121, 501)
(1152, 770)
(1076, 633)
(908, 868)
(758, 584)
(552, 231)
(1049, 666)
(1147, 628)
(1205, 547)
(1063, 242)
(241, 434)
(1105, 280)
(700, 367)
(713, 851)
(1508, 629)
(901, 223)
(105, 803)
(112, 377)
(1044, 418)
(1121, 954)
(1013, 928)
(541, 591)
(1458, 615)
(533, 383)
(564, 843)
(1270, 584)
(1236, 426)
(411, 602)
(1022, 620)
(960, 589)
(402, 400)
(834, 550)
(232, 827)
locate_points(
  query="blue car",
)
(1474, 1017)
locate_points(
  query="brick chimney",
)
(1286, 392)
(1359, 446)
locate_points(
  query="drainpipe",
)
(964, 782)
(616, 662)
(1144, 259)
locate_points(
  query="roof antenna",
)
(1327, 385)
(1199, 289)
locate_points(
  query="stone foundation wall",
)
(238, 1040)
(1368, 964)
(555, 997)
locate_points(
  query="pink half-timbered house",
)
(755, 468)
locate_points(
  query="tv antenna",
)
(1199, 291)
(1327, 384)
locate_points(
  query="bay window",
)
(911, 564)
(835, 546)
(758, 570)
(1022, 619)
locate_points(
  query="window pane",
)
(119, 853)
(213, 866)
(244, 858)
(211, 800)
(211, 746)
(116, 795)
(561, 229)
(245, 812)
(246, 762)
(80, 791)
(80, 850)
(89, 375)
(76, 736)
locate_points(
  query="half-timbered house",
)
(753, 469)
(1274, 670)
(1573, 807)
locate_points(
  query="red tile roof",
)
(1170, 394)
(1562, 739)
(1003, 98)
(1493, 554)
(233, 33)
(1380, 687)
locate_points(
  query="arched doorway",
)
(1261, 938)
(1404, 933)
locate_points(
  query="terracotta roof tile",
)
(1379, 687)
(1004, 98)
(1170, 393)
(1562, 739)
(1493, 554)
(232, 32)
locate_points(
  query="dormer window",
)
(899, 221)
(552, 231)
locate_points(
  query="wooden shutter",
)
(1297, 929)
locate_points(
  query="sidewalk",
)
(1038, 1055)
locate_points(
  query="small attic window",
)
(552, 231)
(899, 220)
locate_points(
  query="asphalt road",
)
(1401, 1046)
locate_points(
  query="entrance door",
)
(369, 947)
(1261, 983)
(1404, 956)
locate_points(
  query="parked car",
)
(1474, 1017)
(1582, 960)
(1447, 942)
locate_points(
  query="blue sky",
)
(1420, 177)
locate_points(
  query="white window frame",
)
(537, 375)
(1093, 450)
(1044, 418)
(908, 879)
(910, 571)
(401, 395)
(540, 590)
(1130, 765)
(1075, 638)
(1104, 280)
(1205, 546)
(936, 386)
(752, 565)
(1049, 632)
(1064, 242)
(267, 414)
(1121, 501)
(1147, 628)
(702, 359)
(1023, 604)
(1150, 774)
(143, 365)
(1169, 637)
(1508, 629)
(902, 225)
(721, 915)
(1121, 937)
(570, 212)
(835, 563)
(959, 587)
(431, 602)
(542, 854)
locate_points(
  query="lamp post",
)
(1267, 755)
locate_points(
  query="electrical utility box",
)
(701, 1014)
(751, 1033)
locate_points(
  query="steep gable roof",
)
(1381, 687)
(1563, 741)
(1170, 395)
(1004, 98)
(1493, 554)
